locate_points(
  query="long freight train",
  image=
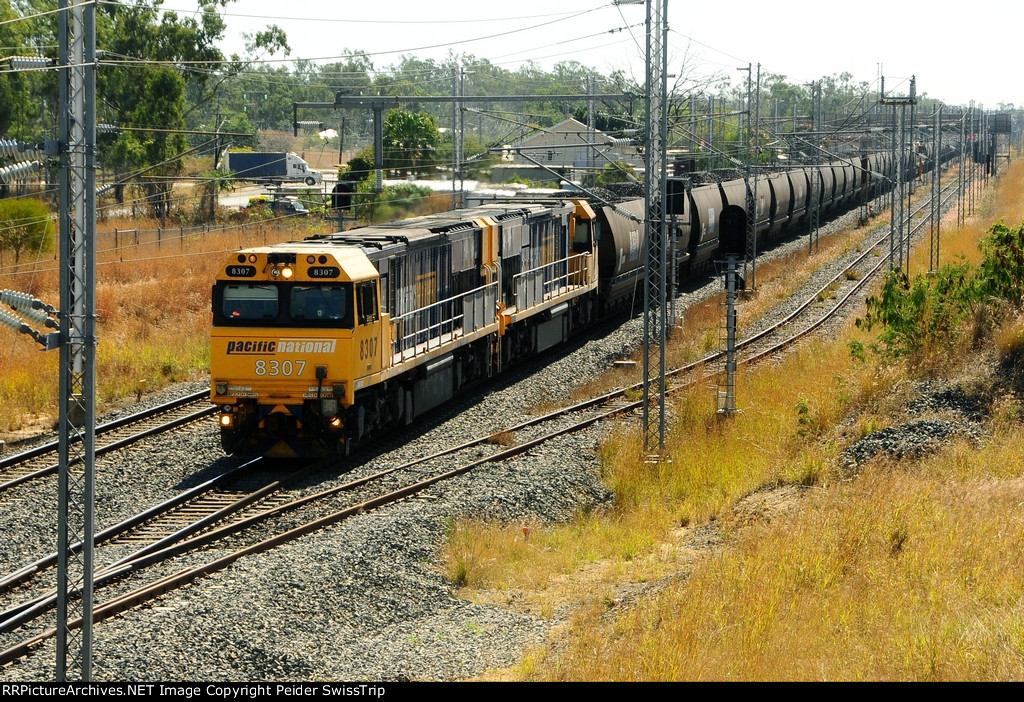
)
(321, 343)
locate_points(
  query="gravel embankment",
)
(359, 600)
(937, 411)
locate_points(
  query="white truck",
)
(272, 167)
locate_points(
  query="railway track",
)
(229, 498)
(42, 460)
(313, 512)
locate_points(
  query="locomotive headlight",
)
(335, 423)
(287, 272)
(226, 420)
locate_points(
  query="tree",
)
(409, 137)
(19, 103)
(168, 58)
(153, 157)
(788, 100)
(25, 225)
(841, 96)
(150, 152)
(235, 123)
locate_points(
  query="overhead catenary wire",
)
(406, 50)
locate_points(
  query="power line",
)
(445, 44)
(349, 20)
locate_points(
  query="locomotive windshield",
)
(250, 302)
(295, 304)
(320, 302)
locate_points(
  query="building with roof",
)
(570, 148)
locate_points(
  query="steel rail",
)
(11, 462)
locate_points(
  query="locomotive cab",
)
(293, 335)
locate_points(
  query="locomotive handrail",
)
(547, 280)
(422, 329)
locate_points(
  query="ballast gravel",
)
(364, 599)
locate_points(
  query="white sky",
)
(956, 54)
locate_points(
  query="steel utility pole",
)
(816, 184)
(76, 444)
(655, 183)
(591, 126)
(753, 200)
(960, 171)
(936, 209)
(898, 217)
(655, 307)
(456, 136)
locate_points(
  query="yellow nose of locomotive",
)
(285, 348)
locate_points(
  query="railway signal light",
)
(733, 236)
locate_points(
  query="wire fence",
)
(150, 243)
(143, 243)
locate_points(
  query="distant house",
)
(569, 148)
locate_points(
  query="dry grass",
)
(1009, 338)
(1006, 203)
(153, 304)
(896, 577)
(502, 438)
(911, 571)
(771, 442)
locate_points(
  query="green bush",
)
(919, 313)
(1001, 274)
(391, 203)
(929, 311)
(25, 226)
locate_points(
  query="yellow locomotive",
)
(319, 344)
